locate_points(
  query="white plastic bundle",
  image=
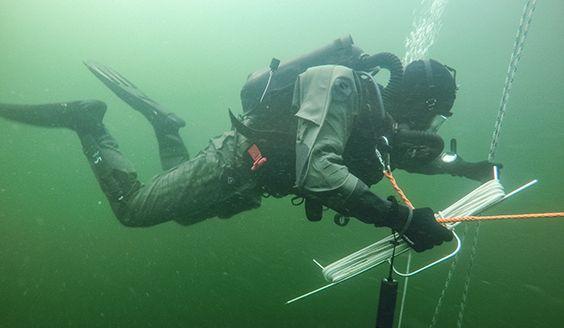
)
(478, 200)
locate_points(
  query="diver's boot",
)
(163, 121)
(76, 115)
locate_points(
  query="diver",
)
(326, 142)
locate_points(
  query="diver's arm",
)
(454, 165)
(327, 105)
(327, 99)
(450, 162)
(417, 226)
(364, 205)
(326, 180)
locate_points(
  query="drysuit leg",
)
(217, 182)
(115, 174)
(172, 150)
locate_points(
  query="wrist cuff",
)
(407, 222)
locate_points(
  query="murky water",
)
(65, 261)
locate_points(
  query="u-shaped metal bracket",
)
(432, 264)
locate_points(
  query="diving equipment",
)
(272, 88)
(313, 209)
(436, 123)
(448, 157)
(452, 155)
(414, 148)
(128, 92)
(429, 90)
(387, 303)
(281, 84)
(172, 150)
(392, 92)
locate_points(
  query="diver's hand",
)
(479, 171)
(423, 232)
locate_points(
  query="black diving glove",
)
(418, 227)
(480, 171)
(423, 232)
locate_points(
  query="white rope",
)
(379, 252)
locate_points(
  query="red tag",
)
(258, 159)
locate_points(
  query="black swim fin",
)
(135, 98)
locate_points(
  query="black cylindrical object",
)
(387, 303)
(340, 52)
(313, 209)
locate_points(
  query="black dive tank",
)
(340, 52)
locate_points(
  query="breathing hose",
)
(414, 147)
(392, 63)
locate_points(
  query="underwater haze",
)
(65, 261)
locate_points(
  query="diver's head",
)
(429, 90)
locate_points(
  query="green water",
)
(65, 261)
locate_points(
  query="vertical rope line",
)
(518, 46)
(451, 271)
(404, 292)
(460, 316)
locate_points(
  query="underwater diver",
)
(312, 135)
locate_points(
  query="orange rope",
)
(397, 188)
(501, 217)
(403, 197)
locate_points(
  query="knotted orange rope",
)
(406, 201)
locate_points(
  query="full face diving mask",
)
(431, 95)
